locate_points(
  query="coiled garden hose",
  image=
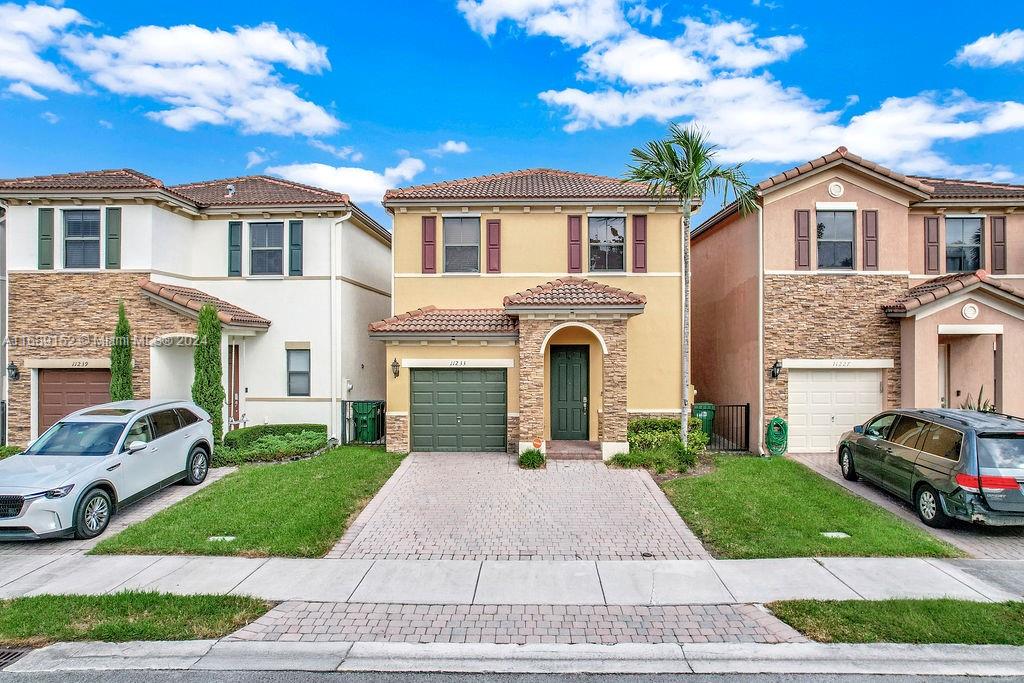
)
(776, 436)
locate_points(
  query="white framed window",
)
(461, 245)
(607, 236)
(266, 248)
(298, 372)
(835, 240)
(81, 238)
(964, 237)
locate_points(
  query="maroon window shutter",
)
(931, 245)
(494, 246)
(803, 239)
(870, 240)
(429, 244)
(575, 244)
(639, 244)
(999, 245)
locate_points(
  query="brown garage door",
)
(65, 391)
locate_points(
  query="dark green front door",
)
(570, 371)
(458, 410)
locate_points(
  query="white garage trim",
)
(839, 363)
(970, 329)
(67, 363)
(458, 363)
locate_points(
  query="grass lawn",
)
(120, 617)
(773, 507)
(905, 621)
(298, 509)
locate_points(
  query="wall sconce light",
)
(776, 370)
(395, 367)
(12, 371)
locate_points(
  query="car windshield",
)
(1001, 450)
(78, 438)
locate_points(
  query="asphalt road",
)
(305, 677)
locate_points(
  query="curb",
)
(813, 658)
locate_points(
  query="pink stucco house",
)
(853, 288)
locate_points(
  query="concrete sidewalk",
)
(461, 582)
(983, 660)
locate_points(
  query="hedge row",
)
(244, 437)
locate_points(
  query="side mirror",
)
(858, 429)
(136, 446)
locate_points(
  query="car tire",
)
(93, 514)
(198, 466)
(847, 465)
(928, 505)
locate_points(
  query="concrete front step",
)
(573, 450)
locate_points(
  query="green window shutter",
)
(45, 239)
(113, 238)
(235, 248)
(295, 247)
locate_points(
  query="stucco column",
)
(614, 419)
(531, 381)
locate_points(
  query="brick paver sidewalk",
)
(992, 543)
(518, 624)
(483, 507)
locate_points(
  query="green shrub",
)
(531, 459)
(241, 438)
(271, 447)
(658, 461)
(8, 451)
(649, 433)
(654, 444)
(121, 359)
(207, 390)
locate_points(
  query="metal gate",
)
(731, 428)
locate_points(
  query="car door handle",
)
(113, 467)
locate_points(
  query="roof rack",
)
(946, 417)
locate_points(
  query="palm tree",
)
(683, 166)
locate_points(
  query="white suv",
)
(98, 460)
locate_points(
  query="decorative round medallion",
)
(836, 189)
(970, 311)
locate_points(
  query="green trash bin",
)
(364, 414)
(705, 412)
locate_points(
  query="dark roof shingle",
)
(432, 320)
(941, 287)
(194, 299)
(574, 291)
(257, 190)
(534, 183)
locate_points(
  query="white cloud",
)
(640, 13)
(345, 152)
(255, 157)
(577, 22)
(993, 49)
(361, 184)
(25, 90)
(733, 45)
(637, 59)
(26, 32)
(450, 147)
(208, 76)
(106, 124)
(50, 117)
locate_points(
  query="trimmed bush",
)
(659, 461)
(649, 433)
(207, 390)
(8, 451)
(121, 359)
(654, 444)
(531, 459)
(244, 437)
(270, 448)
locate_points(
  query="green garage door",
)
(458, 410)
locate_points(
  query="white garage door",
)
(823, 404)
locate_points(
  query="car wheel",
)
(929, 508)
(846, 463)
(198, 467)
(93, 514)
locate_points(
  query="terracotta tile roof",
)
(432, 320)
(574, 291)
(941, 287)
(257, 190)
(534, 183)
(948, 188)
(195, 299)
(114, 179)
(842, 153)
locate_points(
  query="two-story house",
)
(533, 307)
(853, 288)
(295, 273)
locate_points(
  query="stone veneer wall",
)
(396, 428)
(512, 446)
(829, 316)
(72, 315)
(613, 418)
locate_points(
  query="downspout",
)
(334, 421)
(760, 330)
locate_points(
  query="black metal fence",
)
(3, 423)
(362, 422)
(731, 428)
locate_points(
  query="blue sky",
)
(360, 96)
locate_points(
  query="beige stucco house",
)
(854, 288)
(535, 306)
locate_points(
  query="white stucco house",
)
(295, 272)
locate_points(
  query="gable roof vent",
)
(230, 190)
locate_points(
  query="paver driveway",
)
(482, 506)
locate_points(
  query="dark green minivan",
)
(951, 464)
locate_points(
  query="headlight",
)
(59, 493)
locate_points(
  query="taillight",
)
(974, 484)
